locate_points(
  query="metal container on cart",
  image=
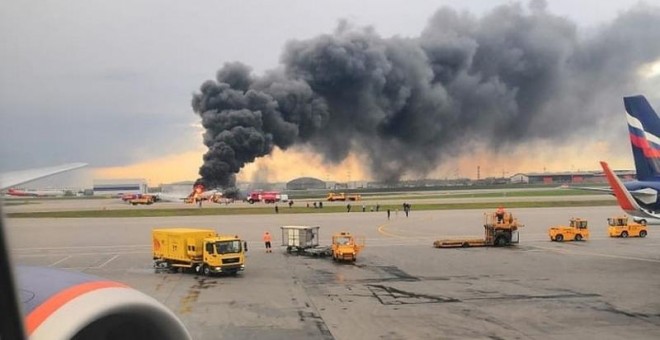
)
(299, 238)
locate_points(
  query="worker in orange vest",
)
(500, 214)
(267, 240)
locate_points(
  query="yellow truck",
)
(143, 199)
(200, 250)
(578, 230)
(342, 197)
(499, 231)
(335, 197)
(620, 227)
(345, 247)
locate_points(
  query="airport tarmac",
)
(399, 288)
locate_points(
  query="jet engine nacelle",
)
(68, 305)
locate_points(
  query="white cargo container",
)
(298, 238)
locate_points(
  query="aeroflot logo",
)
(648, 142)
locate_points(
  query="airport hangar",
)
(115, 187)
(579, 177)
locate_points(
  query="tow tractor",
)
(345, 247)
(304, 240)
(620, 227)
(499, 231)
(577, 231)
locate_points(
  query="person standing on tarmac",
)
(267, 241)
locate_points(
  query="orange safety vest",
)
(267, 238)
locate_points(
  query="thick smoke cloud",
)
(407, 104)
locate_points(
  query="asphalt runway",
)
(399, 288)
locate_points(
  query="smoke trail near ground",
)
(407, 104)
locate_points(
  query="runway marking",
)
(106, 262)
(82, 247)
(584, 253)
(381, 229)
(60, 261)
(82, 254)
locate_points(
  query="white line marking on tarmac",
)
(106, 262)
(82, 247)
(82, 254)
(60, 261)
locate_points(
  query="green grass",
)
(522, 193)
(296, 210)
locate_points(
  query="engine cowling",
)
(59, 304)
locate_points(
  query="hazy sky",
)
(110, 82)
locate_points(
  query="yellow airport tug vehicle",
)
(500, 229)
(577, 231)
(345, 247)
(620, 227)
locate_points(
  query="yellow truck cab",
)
(577, 231)
(200, 250)
(345, 247)
(620, 227)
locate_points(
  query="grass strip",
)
(130, 213)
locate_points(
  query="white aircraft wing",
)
(14, 178)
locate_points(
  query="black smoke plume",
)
(512, 76)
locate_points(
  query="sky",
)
(111, 84)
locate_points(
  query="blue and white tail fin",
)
(644, 129)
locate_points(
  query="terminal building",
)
(117, 187)
(578, 177)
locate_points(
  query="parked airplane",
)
(639, 198)
(35, 193)
(59, 304)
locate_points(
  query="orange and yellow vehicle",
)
(500, 229)
(345, 246)
(143, 199)
(620, 226)
(198, 250)
(577, 230)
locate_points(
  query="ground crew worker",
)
(267, 240)
(500, 214)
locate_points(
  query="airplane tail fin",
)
(623, 196)
(644, 129)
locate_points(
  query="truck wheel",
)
(624, 234)
(206, 270)
(578, 237)
(465, 245)
(642, 233)
(500, 241)
(559, 237)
